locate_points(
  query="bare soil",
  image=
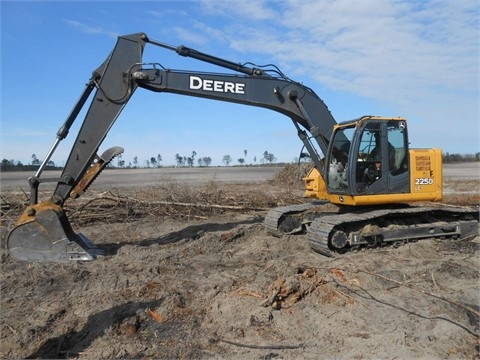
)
(190, 272)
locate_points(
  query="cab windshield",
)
(337, 179)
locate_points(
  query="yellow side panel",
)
(315, 186)
(426, 173)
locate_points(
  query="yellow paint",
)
(87, 179)
(29, 213)
(315, 186)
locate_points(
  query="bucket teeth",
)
(95, 170)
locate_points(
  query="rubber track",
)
(321, 227)
(274, 215)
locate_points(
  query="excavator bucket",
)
(44, 234)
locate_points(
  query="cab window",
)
(397, 138)
(369, 165)
(337, 168)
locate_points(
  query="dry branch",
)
(158, 318)
(264, 347)
(177, 200)
(410, 286)
(212, 206)
(170, 199)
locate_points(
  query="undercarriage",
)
(331, 233)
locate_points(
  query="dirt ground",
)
(191, 272)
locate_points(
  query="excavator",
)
(363, 166)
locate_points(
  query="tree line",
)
(152, 162)
(191, 161)
(451, 158)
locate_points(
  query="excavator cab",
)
(368, 162)
(369, 156)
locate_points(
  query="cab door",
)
(398, 175)
(382, 163)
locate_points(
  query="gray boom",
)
(123, 72)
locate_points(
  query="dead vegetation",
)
(291, 176)
(462, 192)
(178, 201)
(172, 199)
(181, 201)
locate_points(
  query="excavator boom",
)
(123, 72)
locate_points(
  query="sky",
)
(415, 59)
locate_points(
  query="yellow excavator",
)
(366, 166)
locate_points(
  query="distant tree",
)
(179, 159)
(190, 160)
(51, 164)
(153, 161)
(120, 161)
(227, 159)
(135, 161)
(255, 159)
(244, 154)
(147, 163)
(269, 157)
(200, 162)
(6, 165)
(206, 161)
(159, 159)
(265, 156)
(450, 158)
(241, 161)
(35, 161)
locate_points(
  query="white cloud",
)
(418, 58)
(258, 10)
(373, 43)
(89, 29)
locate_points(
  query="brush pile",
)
(170, 199)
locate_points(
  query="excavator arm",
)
(43, 232)
(122, 72)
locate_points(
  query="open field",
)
(136, 178)
(190, 272)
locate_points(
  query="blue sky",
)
(416, 59)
